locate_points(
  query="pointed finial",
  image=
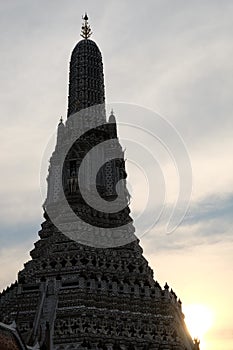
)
(85, 17)
(86, 29)
(196, 344)
(60, 121)
(112, 118)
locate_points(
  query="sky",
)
(170, 57)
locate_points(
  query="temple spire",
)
(86, 81)
(86, 29)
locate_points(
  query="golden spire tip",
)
(86, 29)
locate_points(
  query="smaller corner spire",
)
(86, 29)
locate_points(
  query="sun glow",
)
(199, 319)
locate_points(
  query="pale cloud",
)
(208, 221)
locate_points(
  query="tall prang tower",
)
(88, 285)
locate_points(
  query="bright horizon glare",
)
(199, 319)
